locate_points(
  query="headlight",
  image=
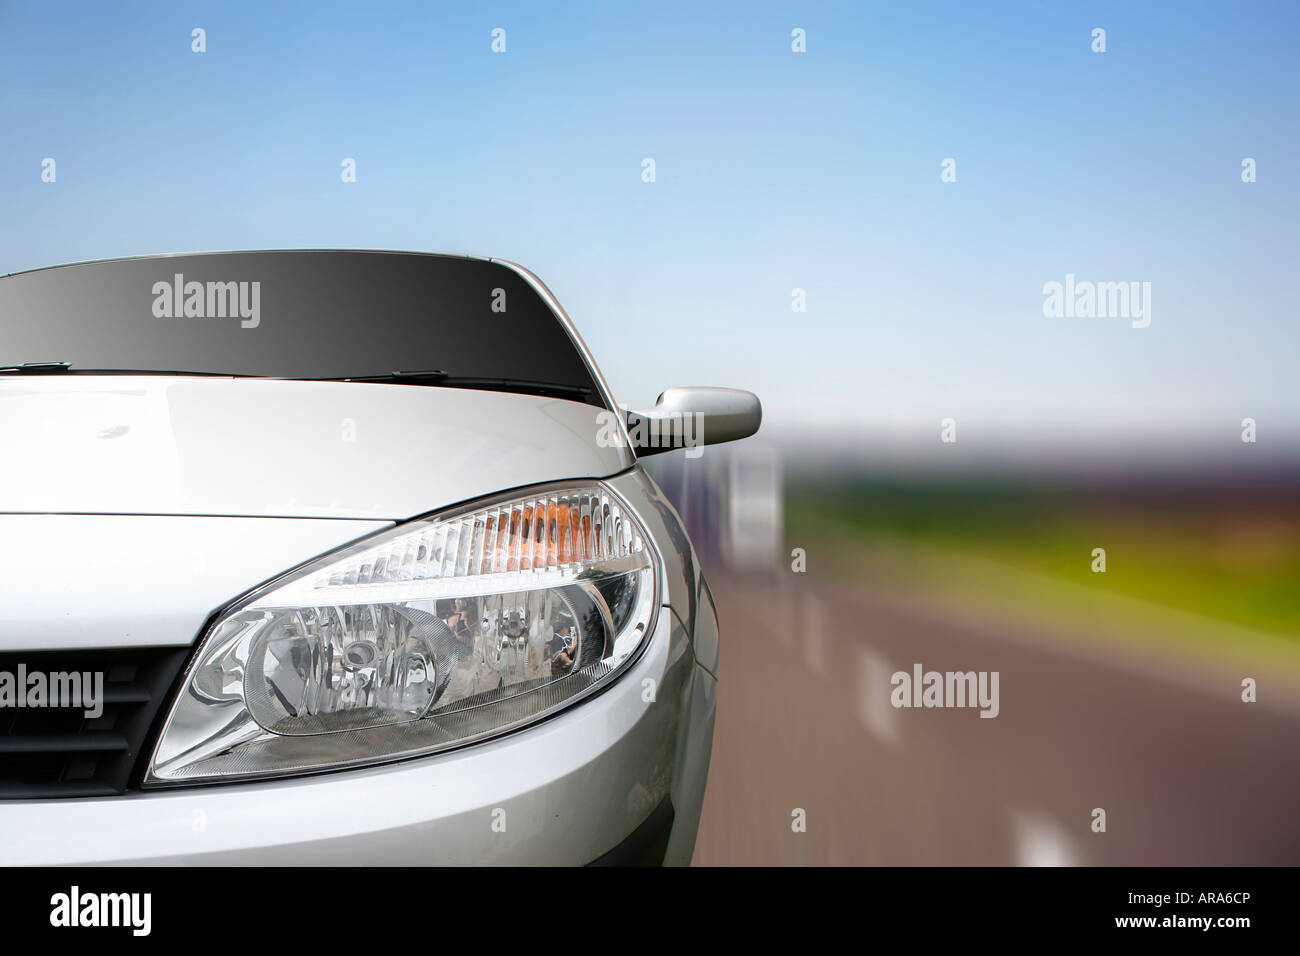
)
(438, 632)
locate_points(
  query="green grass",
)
(1227, 561)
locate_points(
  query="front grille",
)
(58, 751)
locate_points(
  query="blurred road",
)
(1187, 773)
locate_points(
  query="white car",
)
(323, 557)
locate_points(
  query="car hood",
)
(155, 445)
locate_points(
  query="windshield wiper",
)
(65, 368)
(35, 368)
(548, 389)
(425, 377)
(439, 377)
(432, 375)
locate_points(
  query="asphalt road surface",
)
(1186, 772)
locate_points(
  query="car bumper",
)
(588, 785)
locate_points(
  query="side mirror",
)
(692, 417)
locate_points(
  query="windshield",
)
(308, 314)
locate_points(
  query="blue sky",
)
(775, 171)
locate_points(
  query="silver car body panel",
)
(69, 581)
(271, 448)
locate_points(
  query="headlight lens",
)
(438, 632)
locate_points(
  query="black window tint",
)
(311, 314)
